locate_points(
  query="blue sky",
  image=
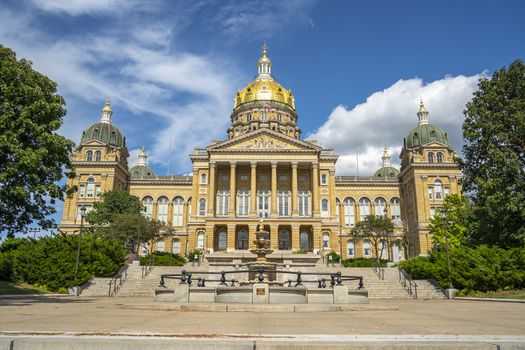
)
(357, 68)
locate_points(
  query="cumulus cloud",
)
(387, 116)
(77, 7)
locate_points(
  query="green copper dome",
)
(104, 131)
(386, 171)
(141, 170)
(424, 132)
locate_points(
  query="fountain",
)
(261, 266)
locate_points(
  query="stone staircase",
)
(387, 288)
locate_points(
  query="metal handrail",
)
(146, 269)
(408, 283)
(333, 280)
(378, 269)
(117, 281)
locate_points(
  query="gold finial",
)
(107, 106)
(421, 105)
(265, 48)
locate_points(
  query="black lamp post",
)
(82, 213)
(341, 245)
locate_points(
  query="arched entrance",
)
(305, 241)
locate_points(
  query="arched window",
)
(283, 202)
(430, 157)
(304, 240)
(367, 248)
(223, 202)
(89, 156)
(202, 207)
(243, 202)
(395, 211)
(242, 239)
(304, 203)
(90, 188)
(178, 211)
(222, 240)
(350, 249)
(263, 203)
(159, 245)
(364, 208)
(439, 157)
(98, 156)
(147, 203)
(203, 179)
(200, 240)
(324, 179)
(380, 205)
(438, 189)
(162, 209)
(349, 212)
(324, 208)
(175, 246)
(284, 240)
(326, 240)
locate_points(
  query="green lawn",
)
(502, 294)
(8, 288)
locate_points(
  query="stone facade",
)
(264, 170)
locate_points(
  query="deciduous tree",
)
(33, 157)
(494, 165)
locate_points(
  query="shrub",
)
(50, 261)
(361, 262)
(299, 251)
(191, 254)
(5, 267)
(335, 257)
(479, 269)
(164, 259)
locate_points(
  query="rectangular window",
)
(97, 191)
(283, 177)
(81, 191)
(324, 179)
(244, 177)
(430, 191)
(284, 204)
(302, 178)
(432, 211)
(225, 177)
(324, 208)
(263, 177)
(446, 191)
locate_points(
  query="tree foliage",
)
(33, 157)
(118, 216)
(50, 261)
(494, 165)
(455, 222)
(377, 229)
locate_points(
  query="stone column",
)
(209, 237)
(315, 189)
(333, 197)
(233, 190)
(274, 237)
(294, 189)
(274, 190)
(230, 244)
(253, 189)
(195, 193)
(211, 193)
(295, 237)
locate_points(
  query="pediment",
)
(264, 140)
(92, 143)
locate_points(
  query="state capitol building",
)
(263, 169)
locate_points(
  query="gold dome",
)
(264, 90)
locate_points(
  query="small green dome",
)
(386, 171)
(104, 132)
(141, 170)
(425, 133)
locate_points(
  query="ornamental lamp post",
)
(82, 213)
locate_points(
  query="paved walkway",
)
(380, 322)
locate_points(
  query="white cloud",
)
(77, 7)
(387, 116)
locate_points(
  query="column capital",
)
(253, 164)
(195, 171)
(233, 164)
(331, 172)
(213, 164)
(315, 165)
(295, 164)
(274, 164)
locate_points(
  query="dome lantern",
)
(422, 113)
(386, 157)
(142, 169)
(143, 157)
(105, 114)
(264, 66)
